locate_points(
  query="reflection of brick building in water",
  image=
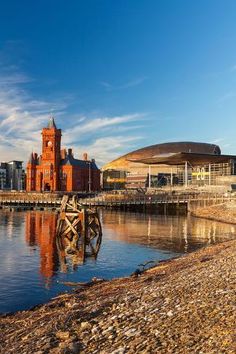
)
(58, 170)
(40, 230)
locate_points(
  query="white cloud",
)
(227, 96)
(132, 83)
(107, 142)
(97, 125)
(107, 148)
(13, 78)
(217, 141)
(22, 117)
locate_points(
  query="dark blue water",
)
(31, 271)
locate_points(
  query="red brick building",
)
(58, 170)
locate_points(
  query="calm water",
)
(31, 272)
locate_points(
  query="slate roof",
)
(51, 123)
(69, 160)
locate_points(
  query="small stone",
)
(63, 335)
(85, 325)
(73, 347)
(131, 332)
(120, 350)
(25, 337)
(94, 330)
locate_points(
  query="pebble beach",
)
(186, 305)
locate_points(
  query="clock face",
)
(49, 143)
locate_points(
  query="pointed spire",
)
(51, 123)
(31, 159)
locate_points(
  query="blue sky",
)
(118, 75)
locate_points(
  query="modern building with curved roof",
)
(173, 158)
(125, 162)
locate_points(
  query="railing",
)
(128, 199)
(156, 199)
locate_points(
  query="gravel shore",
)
(186, 305)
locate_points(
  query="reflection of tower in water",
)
(62, 249)
(40, 230)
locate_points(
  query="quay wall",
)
(224, 212)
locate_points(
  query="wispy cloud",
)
(22, 117)
(224, 144)
(233, 68)
(97, 124)
(132, 83)
(217, 141)
(13, 79)
(107, 148)
(107, 142)
(227, 96)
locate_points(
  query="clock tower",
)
(50, 160)
(58, 170)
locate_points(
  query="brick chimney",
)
(63, 154)
(85, 156)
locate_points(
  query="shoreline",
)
(170, 306)
(184, 304)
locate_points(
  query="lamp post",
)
(89, 180)
(186, 174)
(149, 176)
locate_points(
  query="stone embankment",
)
(225, 212)
(186, 305)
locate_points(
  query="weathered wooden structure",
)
(79, 232)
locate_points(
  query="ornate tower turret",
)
(51, 147)
(31, 173)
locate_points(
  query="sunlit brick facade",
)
(58, 170)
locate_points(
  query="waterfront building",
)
(177, 163)
(56, 169)
(12, 175)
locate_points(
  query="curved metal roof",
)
(160, 149)
(182, 146)
(180, 158)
